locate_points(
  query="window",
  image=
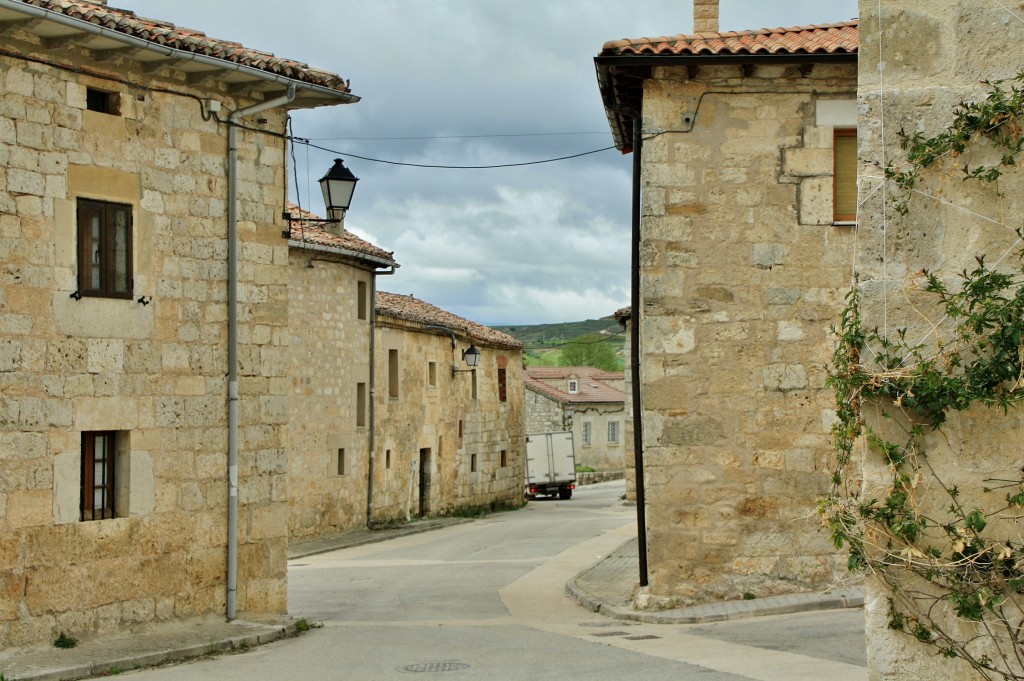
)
(387, 459)
(361, 300)
(587, 436)
(101, 102)
(844, 181)
(504, 458)
(392, 373)
(502, 387)
(432, 374)
(613, 432)
(460, 429)
(360, 405)
(472, 463)
(574, 386)
(104, 249)
(341, 461)
(98, 458)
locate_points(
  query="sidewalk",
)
(156, 644)
(608, 588)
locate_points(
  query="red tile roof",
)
(591, 384)
(411, 309)
(189, 40)
(814, 39)
(315, 234)
(622, 65)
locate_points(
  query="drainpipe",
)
(233, 121)
(634, 354)
(372, 416)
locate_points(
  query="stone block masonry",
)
(147, 368)
(743, 273)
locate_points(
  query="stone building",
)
(332, 279)
(624, 318)
(448, 436)
(958, 50)
(585, 400)
(749, 196)
(141, 361)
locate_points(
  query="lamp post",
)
(471, 355)
(338, 186)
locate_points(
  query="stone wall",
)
(742, 275)
(154, 373)
(935, 54)
(328, 448)
(601, 453)
(543, 414)
(473, 448)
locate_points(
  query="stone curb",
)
(101, 656)
(613, 578)
(347, 540)
(721, 612)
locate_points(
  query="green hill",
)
(544, 342)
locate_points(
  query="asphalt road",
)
(486, 600)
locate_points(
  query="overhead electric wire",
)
(463, 137)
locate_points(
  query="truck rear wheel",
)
(565, 493)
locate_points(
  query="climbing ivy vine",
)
(967, 559)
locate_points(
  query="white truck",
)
(550, 465)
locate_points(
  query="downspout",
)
(372, 415)
(233, 121)
(634, 354)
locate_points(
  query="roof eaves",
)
(186, 45)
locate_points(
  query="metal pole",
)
(634, 355)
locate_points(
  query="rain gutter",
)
(233, 123)
(372, 415)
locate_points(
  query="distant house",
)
(145, 370)
(589, 402)
(747, 143)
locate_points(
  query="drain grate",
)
(641, 637)
(609, 633)
(435, 667)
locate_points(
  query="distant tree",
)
(592, 350)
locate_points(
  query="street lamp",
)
(337, 186)
(471, 355)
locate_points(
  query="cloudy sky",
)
(476, 82)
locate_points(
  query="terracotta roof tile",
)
(189, 40)
(592, 387)
(411, 309)
(814, 39)
(313, 233)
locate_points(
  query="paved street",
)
(486, 600)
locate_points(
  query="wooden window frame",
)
(586, 433)
(502, 385)
(837, 217)
(88, 507)
(101, 258)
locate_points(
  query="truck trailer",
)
(550, 465)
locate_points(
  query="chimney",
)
(705, 16)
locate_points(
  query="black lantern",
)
(472, 356)
(338, 185)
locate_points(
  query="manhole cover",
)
(609, 633)
(641, 637)
(435, 667)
